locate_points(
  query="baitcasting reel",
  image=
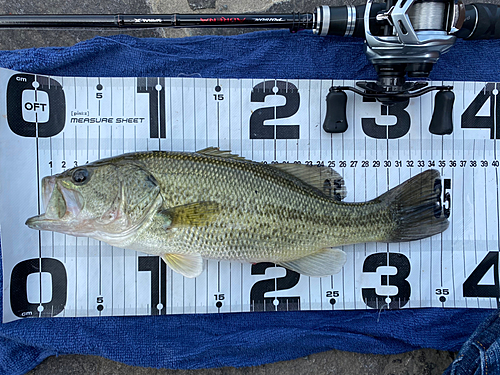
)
(402, 38)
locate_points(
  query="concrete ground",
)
(331, 362)
(421, 362)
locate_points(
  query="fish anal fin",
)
(192, 214)
(188, 265)
(325, 179)
(326, 262)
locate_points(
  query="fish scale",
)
(279, 216)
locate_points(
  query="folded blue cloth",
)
(276, 54)
(200, 341)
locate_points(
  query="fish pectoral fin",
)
(323, 263)
(188, 265)
(190, 215)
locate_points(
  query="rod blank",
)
(293, 21)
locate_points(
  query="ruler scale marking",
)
(436, 264)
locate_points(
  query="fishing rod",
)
(403, 38)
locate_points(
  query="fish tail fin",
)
(416, 209)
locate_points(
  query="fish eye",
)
(80, 176)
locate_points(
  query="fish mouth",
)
(61, 204)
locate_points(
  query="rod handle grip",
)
(482, 21)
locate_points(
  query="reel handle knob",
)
(442, 122)
(335, 119)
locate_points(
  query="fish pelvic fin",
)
(416, 208)
(326, 262)
(188, 265)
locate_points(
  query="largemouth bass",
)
(186, 207)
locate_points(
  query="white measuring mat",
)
(49, 124)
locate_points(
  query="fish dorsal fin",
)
(189, 215)
(215, 151)
(188, 265)
(323, 263)
(325, 179)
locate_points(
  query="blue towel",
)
(200, 341)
